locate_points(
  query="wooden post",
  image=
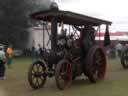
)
(43, 36)
(99, 34)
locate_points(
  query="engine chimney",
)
(54, 6)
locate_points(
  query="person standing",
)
(2, 63)
(40, 51)
(119, 48)
(34, 54)
(9, 53)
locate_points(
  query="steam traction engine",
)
(71, 53)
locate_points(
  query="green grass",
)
(16, 84)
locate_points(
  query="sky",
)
(111, 10)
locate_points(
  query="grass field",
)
(16, 84)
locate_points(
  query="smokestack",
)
(54, 6)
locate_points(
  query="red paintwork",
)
(113, 34)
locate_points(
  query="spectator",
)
(9, 52)
(119, 48)
(2, 63)
(40, 51)
(34, 53)
(126, 45)
(112, 51)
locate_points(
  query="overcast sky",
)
(112, 10)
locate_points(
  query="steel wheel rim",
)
(37, 75)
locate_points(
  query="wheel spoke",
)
(35, 68)
(33, 72)
(41, 69)
(37, 81)
(33, 77)
(40, 80)
(38, 67)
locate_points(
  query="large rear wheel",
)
(95, 66)
(63, 74)
(37, 74)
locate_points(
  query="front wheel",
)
(63, 74)
(37, 74)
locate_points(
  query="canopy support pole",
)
(54, 33)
